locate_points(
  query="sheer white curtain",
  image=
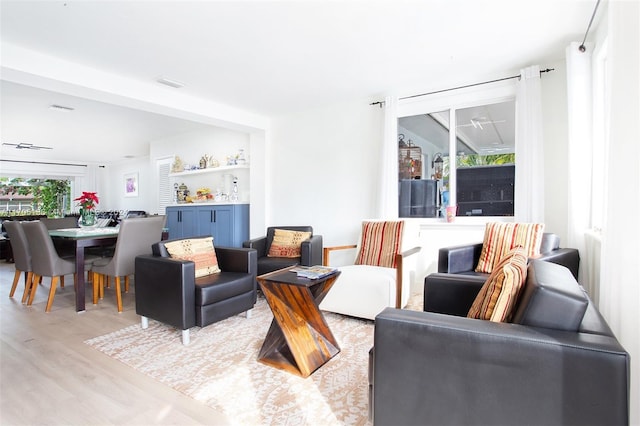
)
(620, 274)
(388, 197)
(529, 196)
(579, 106)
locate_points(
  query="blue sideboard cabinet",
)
(227, 223)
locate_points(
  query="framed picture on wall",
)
(131, 185)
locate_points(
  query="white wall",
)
(556, 152)
(111, 186)
(323, 169)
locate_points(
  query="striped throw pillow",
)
(498, 296)
(198, 250)
(380, 242)
(500, 238)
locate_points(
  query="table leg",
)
(79, 278)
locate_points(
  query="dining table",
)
(82, 238)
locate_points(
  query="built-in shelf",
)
(208, 170)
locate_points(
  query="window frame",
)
(453, 100)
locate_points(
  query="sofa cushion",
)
(551, 298)
(379, 243)
(499, 238)
(198, 250)
(287, 243)
(499, 294)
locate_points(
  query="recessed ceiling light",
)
(61, 108)
(169, 82)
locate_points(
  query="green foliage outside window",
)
(50, 196)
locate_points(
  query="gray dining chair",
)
(21, 256)
(45, 260)
(60, 222)
(135, 237)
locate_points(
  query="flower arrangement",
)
(88, 200)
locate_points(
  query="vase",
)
(87, 217)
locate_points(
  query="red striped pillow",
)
(500, 238)
(498, 296)
(380, 242)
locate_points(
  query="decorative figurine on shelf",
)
(213, 162)
(234, 193)
(183, 193)
(203, 162)
(240, 160)
(177, 166)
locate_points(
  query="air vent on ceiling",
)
(169, 82)
(61, 108)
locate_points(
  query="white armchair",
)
(381, 274)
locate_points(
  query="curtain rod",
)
(593, 15)
(380, 103)
(44, 162)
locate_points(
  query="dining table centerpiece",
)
(87, 203)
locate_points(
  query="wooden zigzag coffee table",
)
(299, 340)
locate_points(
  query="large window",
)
(462, 156)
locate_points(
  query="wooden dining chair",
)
(21, 256)
(45, 260)
(135, 238)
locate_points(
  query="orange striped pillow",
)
(500, 238)
(380, 242)
(498, 296)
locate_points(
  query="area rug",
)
(220, 369)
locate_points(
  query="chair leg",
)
(27, 286)
(62, 281)
(16, 278)
(94, 282)
(126, 284)
(101, 278)
(185, 337)
(37, 279)
(118, 294)
(31, 280)
(248, 313)
(144, 321)
(52, 293)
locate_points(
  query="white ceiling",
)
(265, 57)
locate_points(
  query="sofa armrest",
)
(259, 244)
(235, 259)
(567, 257)
(311, 251)
(400, 271)
(327, 252)
(459, 259)
(440, 369)
(451, 294)
(165, 290)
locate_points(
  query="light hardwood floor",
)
(49, 376)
